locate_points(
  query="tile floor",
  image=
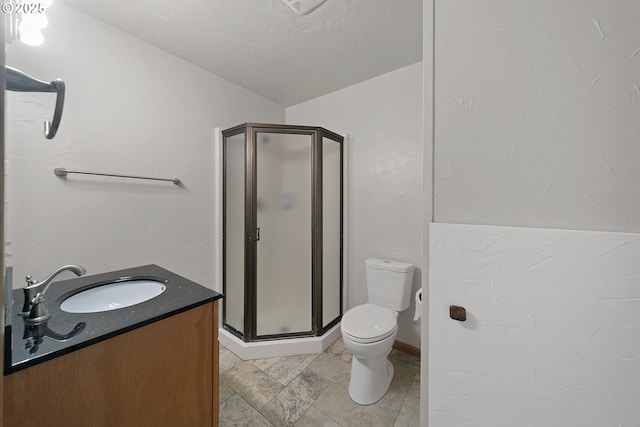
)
(311, 390)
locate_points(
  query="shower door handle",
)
(257, 234)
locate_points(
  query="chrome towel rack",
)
(65, 171)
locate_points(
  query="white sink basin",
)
(112, 296)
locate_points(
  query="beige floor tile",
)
(251, 383)
(224, 391)
(289, 405)
(280, 414)
(336, 403)
(288, 367)
(235, 411)
(410, 413)
(338, 350)
(332, 368)
(227, 360)
(404, 374)
(264, 364)
(392, 401)
(404, 358)
(313, 417)
(414, 389)
(311, 390)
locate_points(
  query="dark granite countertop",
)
(180, 295)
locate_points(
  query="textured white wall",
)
(132, 109)
(551, 336)
(383, 117)
(538, 113)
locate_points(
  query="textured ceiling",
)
(265, 47)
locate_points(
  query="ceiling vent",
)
(303, 7)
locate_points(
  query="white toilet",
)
(369, 330)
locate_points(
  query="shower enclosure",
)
(282, 231)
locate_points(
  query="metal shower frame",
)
(251, 230)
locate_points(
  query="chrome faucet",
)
(34, 291)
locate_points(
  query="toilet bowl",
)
(368, 332)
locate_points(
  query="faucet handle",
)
(28, 297)
(38, 312)
(37, 299)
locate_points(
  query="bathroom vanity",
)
(150, 364)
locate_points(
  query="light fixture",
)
(303, 7)
(31, 36)
(26, 20)
(30, 26)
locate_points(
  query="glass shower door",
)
(284, 244)
(234, 248)
(331, 230)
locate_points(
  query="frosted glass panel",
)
(283, 289)
(330, 230)
(234, 231)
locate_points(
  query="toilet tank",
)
(389, 283)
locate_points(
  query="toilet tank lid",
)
(385, 264)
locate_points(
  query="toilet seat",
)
(368, 323)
